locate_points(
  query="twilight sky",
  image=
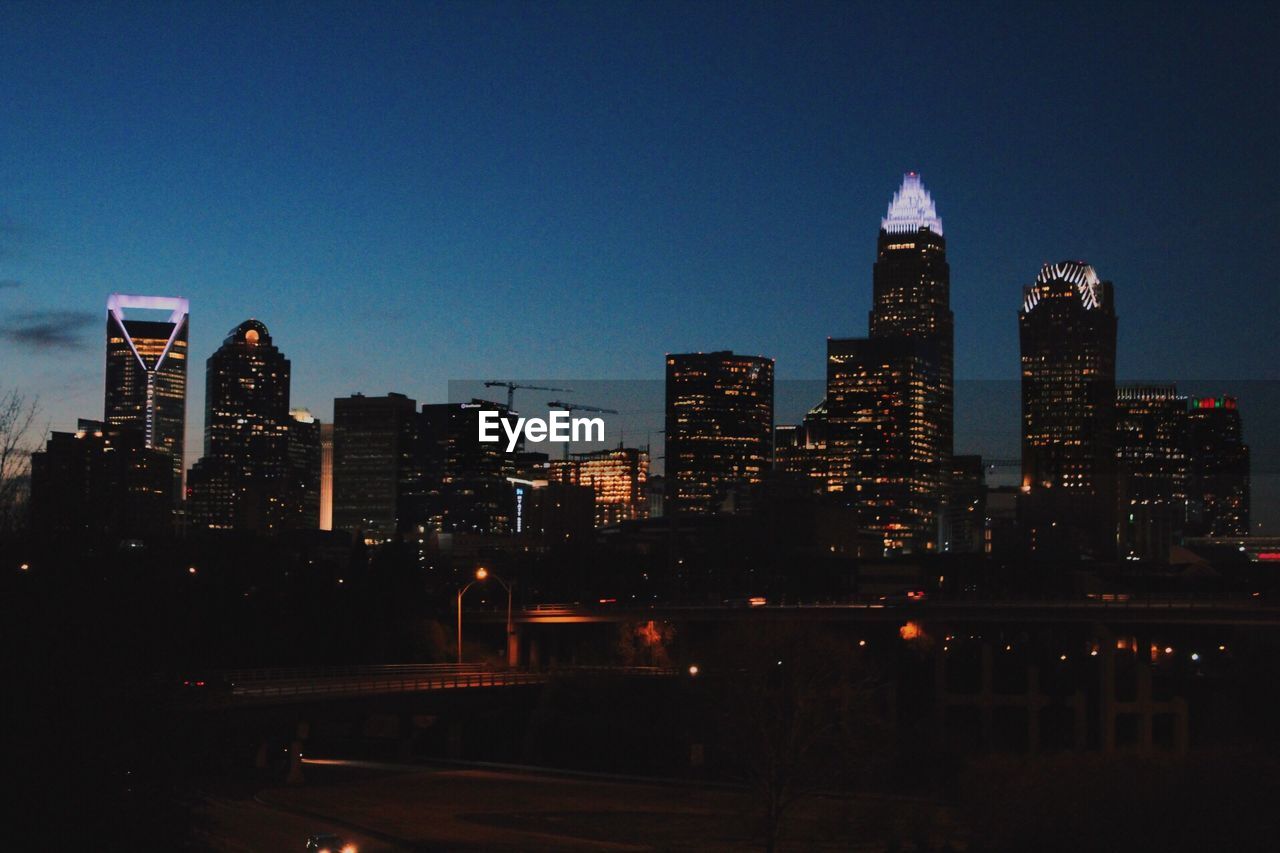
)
(412, 193)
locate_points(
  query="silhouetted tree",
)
(789, 709)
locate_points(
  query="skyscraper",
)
(719, 427)
(890, 396)
(1219, 468)
(146, 376)
(464, 487)
(375, 463)
(243, 480)
(911, 296)
(1068, 337)
(1151, 438)
(883, 437)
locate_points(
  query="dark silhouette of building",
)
(303, 472)
(260, 468)
(883, 443)
(375, 464)
(1068, 336)
(967, 505)
(719, 427)
(465, 486)
(1219, 469)
(800, 450)
(101, 482)
(146, 375)
(1151, 438)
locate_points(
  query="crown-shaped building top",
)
(912, 208)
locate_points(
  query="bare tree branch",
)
(18, 440)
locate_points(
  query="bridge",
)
(1128, 610)
(276, 686)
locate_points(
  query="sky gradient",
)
(412, 193)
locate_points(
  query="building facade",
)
(719, 427)
(1068, 339)
(883, 443)
(101, 482)
(1151, 453)
(260, 468)
(618, 477)
(890, 397)
(1218, 491)
(375, 464)
(146, 375)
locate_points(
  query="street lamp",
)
(483, 574)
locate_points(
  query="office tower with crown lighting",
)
(1069, 499)
(243, 481)
(890, 396)
(146, 374)
(719, 428)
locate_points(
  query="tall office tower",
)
(1151, 425)
(619, 478)
(883, 443)
(1219, 468)
(100, 481)
(375, 463)
(326, 476)
(241, 482)
(719, 427)
(911, 298)
(465, 484)
(146, 381)
(1069, 490)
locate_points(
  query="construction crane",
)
(512, 386)
(577, 407)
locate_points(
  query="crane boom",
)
(512, 386)
(579, 407)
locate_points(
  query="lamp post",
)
(481, 575)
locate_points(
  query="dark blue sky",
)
(408, 194)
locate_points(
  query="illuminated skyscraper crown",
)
(1076, 272)
(912, 208)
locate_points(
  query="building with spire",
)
(146, 375)
(890, 396)
(1069, 499)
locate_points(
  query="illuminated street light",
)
(482, 574)
(191, 570)
(693, 669)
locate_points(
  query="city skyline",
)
(428, 246)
